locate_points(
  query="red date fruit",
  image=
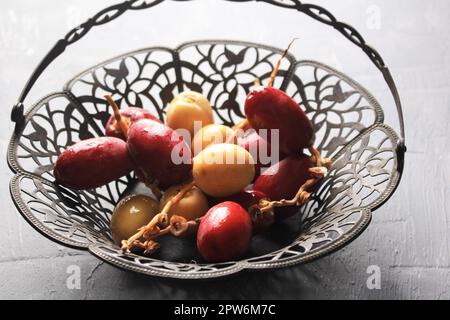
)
(269, 108)
(249, 200)
(159, 152)
(224, 233)
(130, 116)
(93, 163)
(283, 180)
(259, 148)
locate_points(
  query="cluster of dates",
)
(225, 200)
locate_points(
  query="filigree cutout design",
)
(225, 72)
(151, 266)
(339, 108)
(347, 118)
(146, 78)
(320, 236)
(57, 122)
(76, 218)
(363, 175)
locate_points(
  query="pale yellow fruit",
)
(194, 204)
(130, 214)
(186, 109)
(223, 169)
(212, 134)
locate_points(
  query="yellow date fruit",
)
(194, 204)
(212, 134)
(223, 169)
(186, 109)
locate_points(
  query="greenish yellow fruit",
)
(130, 214)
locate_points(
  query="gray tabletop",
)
(407, 244)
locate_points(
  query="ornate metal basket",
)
(368, 155)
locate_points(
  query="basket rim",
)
(33, 221)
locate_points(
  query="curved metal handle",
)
(316, 12)
(106, 15)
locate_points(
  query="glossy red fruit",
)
(159, 152)
(224, 233)
(93, 163)
(245, 198)
(249, 200)
(270, 108)
(260, 149)
(130, 116)
(283, 180)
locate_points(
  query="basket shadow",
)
(329, 278)
(262, 284)
(185, 250)
(248, 284)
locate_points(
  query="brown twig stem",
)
(117, 115)
(277, 66)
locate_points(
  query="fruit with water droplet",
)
(159, 153)
(92, 163)
(130, 214)
(224, 233)
(283, 180)
(129, 116)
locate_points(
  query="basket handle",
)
(316, 12)
(104, 16)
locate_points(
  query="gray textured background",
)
(408, 238)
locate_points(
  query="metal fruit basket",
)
(368, 155)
